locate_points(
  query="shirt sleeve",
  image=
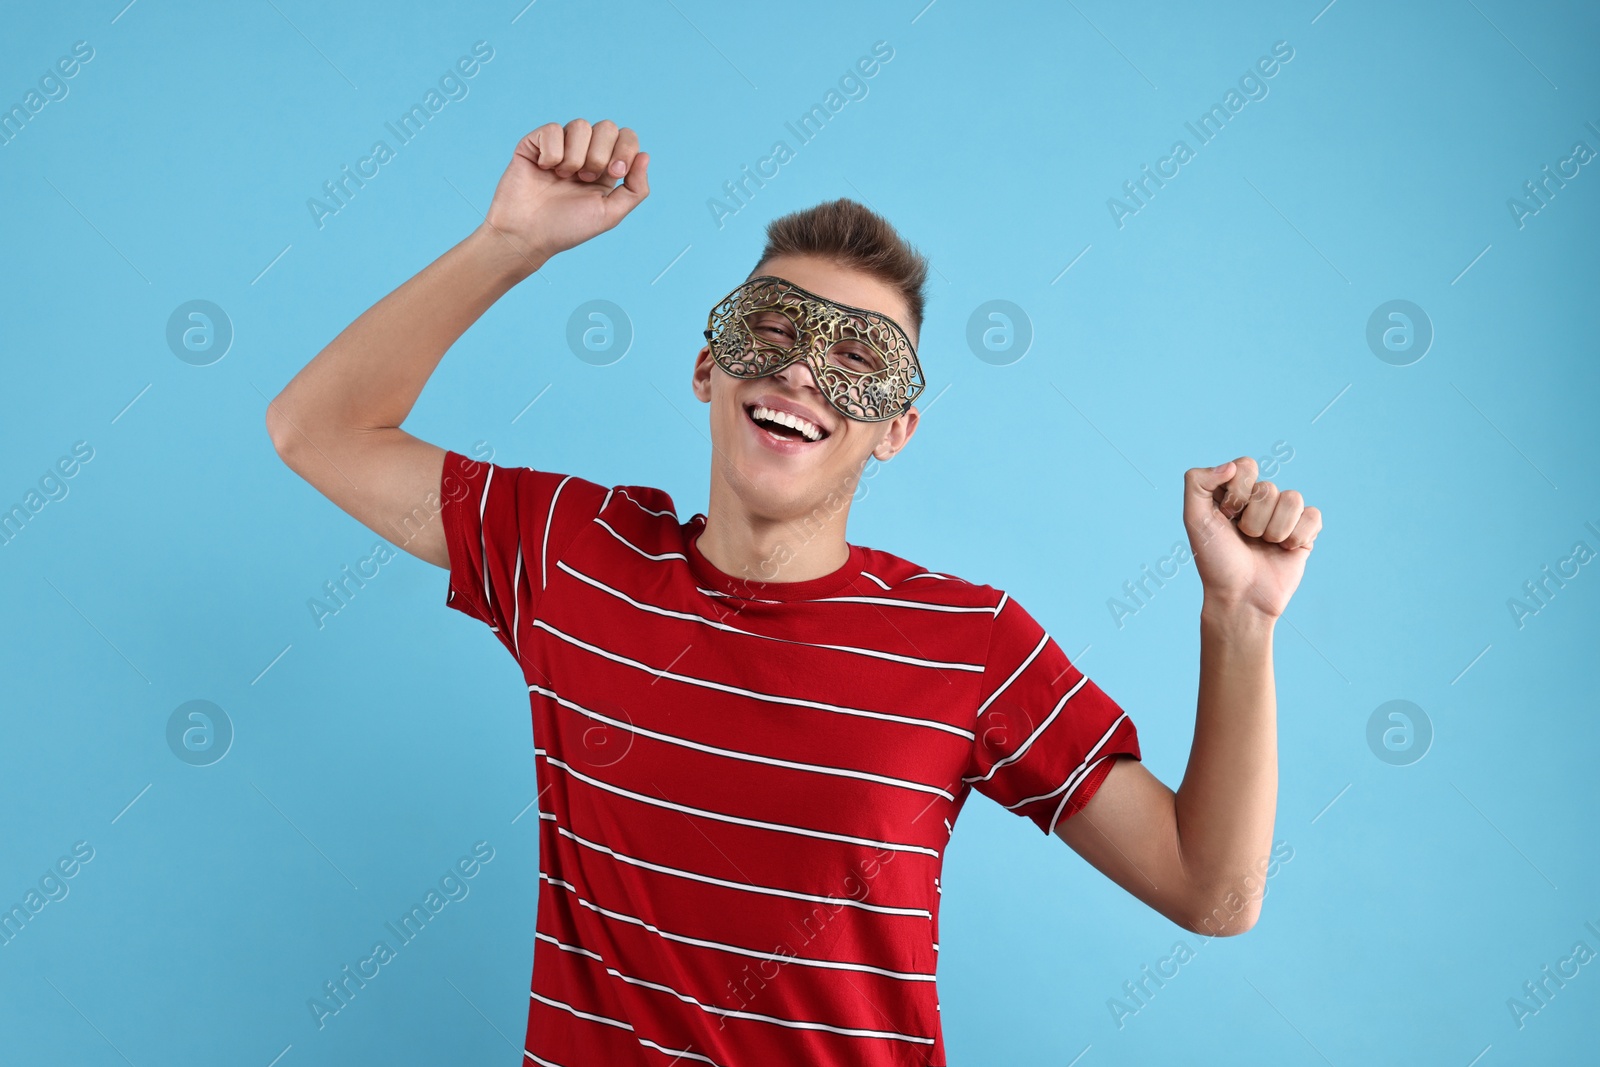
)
(505, 528)
(1046, 735)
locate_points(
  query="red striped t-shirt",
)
(745, 788)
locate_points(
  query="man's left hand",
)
(1250, 539)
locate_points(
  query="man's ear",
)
(900, 430)
(700, 381)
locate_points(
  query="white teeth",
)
(812, 431)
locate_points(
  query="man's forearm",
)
(1226, 803)
(369, 377)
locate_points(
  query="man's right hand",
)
(558, 191)
(337, 423)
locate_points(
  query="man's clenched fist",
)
(561, 187)
(1250, 539)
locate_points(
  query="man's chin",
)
(777, 491)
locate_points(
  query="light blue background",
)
(1224, 317)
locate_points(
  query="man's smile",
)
(785, 425)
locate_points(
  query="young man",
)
(752, 737)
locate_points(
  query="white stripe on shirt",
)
(780, 957)
(692, 617)
(550, 517)
(1022, 749)
(741, 691)
(636, 548)
(483, 547)
(1068, 796)
(718, 816)
(607, 1020)
(743, 887)
(793, 1024)
(816, 768)
(1078, 772)
(648, 511)
(1022, 667)
(818, 600)
(897, 603)
(516, 601)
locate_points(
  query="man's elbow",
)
(1226, 916)
(280, 429)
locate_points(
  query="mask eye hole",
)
(854, 350)
(771, 328)
(855, 356)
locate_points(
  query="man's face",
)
(780, 476)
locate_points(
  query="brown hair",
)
(853, 236)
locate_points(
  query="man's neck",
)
(761, 549)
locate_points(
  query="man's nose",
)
(799, 374)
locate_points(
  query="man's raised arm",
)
(1200, 855)
(337, 422)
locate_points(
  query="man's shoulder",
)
(600, 528)
(640, 517)
(647, 498)
(639, 503)
(897, 577)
